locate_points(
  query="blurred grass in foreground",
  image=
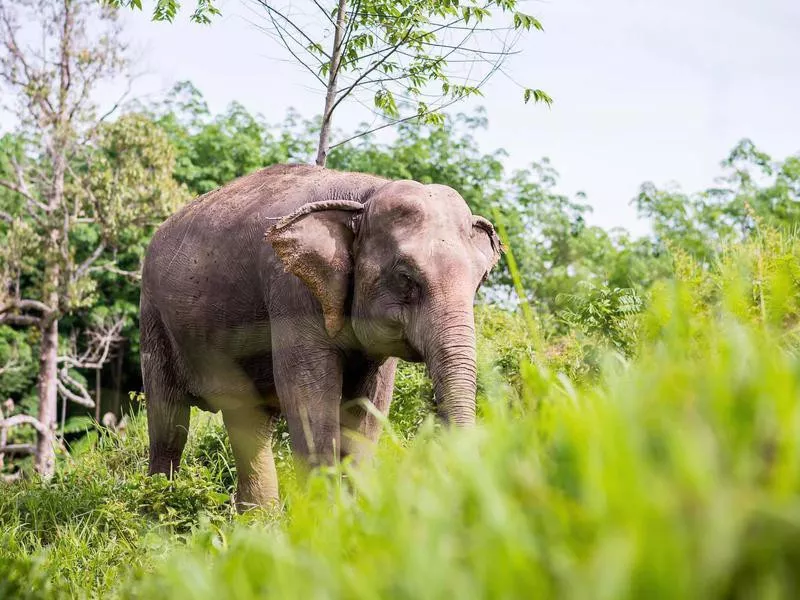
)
(674, 474)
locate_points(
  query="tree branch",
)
(495, 67)
(395, 122)
(272, 10)
(84, 266)
(15, 188)
(374, 66)
(18, 449)
(31, 77)
(324, 12)
(101, 340)
(83, 398)
(20, 320)
(12, 319)
(281, 30)
(26, 305)
(111, 268)
(18, 420)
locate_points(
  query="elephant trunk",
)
(450, 356)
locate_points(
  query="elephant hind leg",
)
(168, 429)
(250, 432)
(167, 403)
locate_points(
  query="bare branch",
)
(15, 188)
(86, 264)
(296, 27)
(111, 268)
(82, 397)
(14, 319)
(20, 173)
(324, 12)
(20, 320)
(18, 420)
(18, 449)
(477, 51)
(281, 31)
(31, 77)
(26, 305)
(101, 340)
(119, 101)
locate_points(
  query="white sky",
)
(643, 89)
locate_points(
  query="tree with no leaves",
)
(71, 184)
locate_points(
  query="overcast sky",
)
(643, 89)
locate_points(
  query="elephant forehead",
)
(411, 205)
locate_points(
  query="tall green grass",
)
(672, 474)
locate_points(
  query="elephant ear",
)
(315, 244)
(489, 242)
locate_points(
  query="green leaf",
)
(218, 497)
(537, 95)
(523, 21)
(76, 424)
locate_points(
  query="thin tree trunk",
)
(48, 353)
(330, 96)
(117, 408)
(97, 394)
(48, 397)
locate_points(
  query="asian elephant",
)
(294, 290)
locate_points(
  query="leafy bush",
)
(606, 315)
(674, 473)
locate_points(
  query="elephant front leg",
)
(361, 427)
(250, 432)
(309, 385)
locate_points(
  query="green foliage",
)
(605, 314)
(674, 474)
(753, 190)
(642, 444)
(412, 401)
(166, 10)
(18, 365)
(211, 151)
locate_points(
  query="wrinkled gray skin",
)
(355, 272)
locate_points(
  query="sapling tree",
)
(424, 55)
(400, 59)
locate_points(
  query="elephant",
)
(295, 290)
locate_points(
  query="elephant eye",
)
(405, 285)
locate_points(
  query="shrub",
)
(673, 473)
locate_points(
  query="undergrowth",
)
(667, 468)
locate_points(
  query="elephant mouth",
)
(412, 354)
(385, 337)
(401, 349)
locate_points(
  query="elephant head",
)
(403, 269)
